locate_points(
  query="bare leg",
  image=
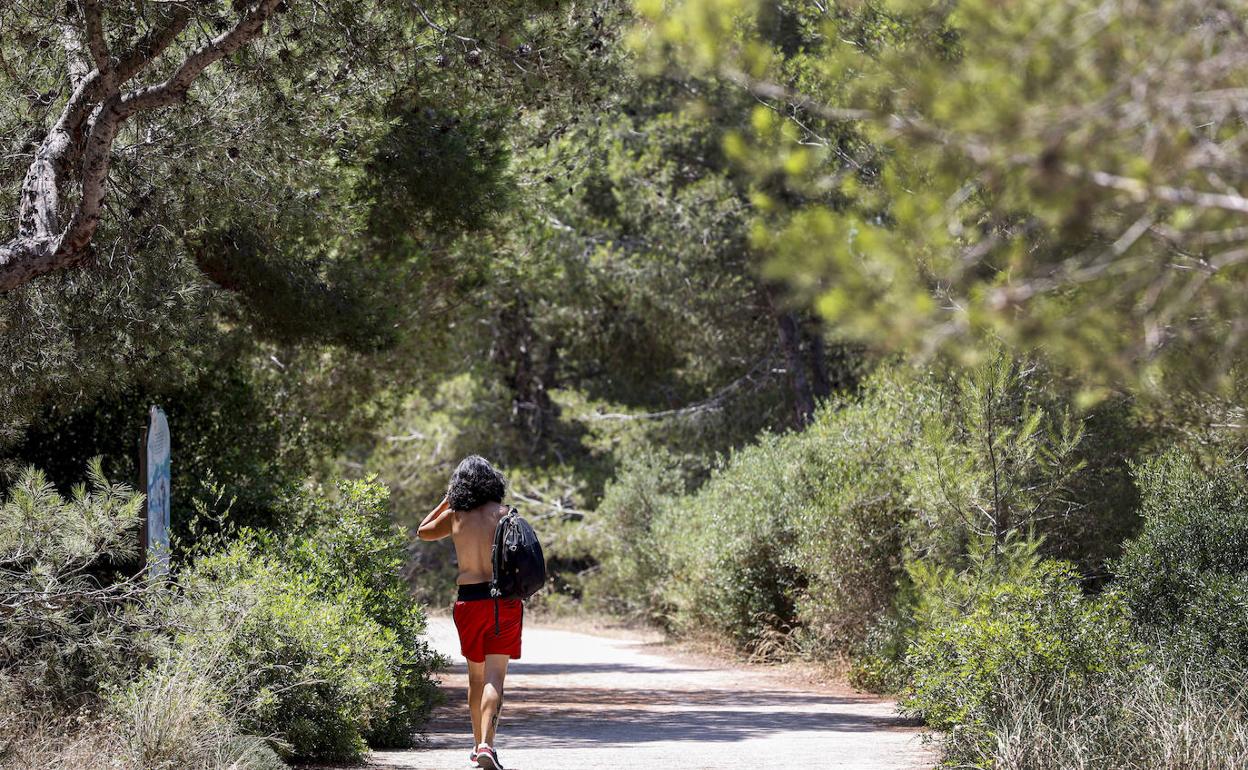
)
(476, 682)
(492, 693)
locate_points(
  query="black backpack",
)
(519, 566)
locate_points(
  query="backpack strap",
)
(496, 555)
(496, 558)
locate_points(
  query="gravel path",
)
(578, 700)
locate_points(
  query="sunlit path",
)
(577, 700)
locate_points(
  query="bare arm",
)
(437, 524)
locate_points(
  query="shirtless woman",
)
(469, 514)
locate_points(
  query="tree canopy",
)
(1064, 176)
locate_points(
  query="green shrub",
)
(83, 680)
(851, 531)
(238, 432)
(313, 634)
(308, 638)
(351, 548)
(996, 452)
(801, 539)
(798, 532)
(996, 457)
(1009, 618)
(298, 665)
(632, 563)
(66, 583)
(877, 663)
(1185, 577)
(729, 547)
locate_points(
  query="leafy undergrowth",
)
(299, 645)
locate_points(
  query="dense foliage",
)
(65, 562)
(851, 331)
(315, 632)
(922, 529)
(1186, 576)
(302, 646)
(813, 528)
(1006, 619)
(1062, 174)
(276, 258)
(754, 548)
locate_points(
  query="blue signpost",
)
(156, 470)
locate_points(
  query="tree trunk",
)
(791, 343)
(817, 354)
(533, 410)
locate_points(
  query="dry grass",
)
(1145, 719)
(172, 720)
(177, 718)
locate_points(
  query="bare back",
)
(473, 535)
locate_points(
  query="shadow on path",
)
(571, 717)
(582, 701)
(527, 697)
(568, 728)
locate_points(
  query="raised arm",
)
(437, 524)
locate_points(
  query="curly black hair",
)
(475, 483)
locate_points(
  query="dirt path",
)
(583, 701)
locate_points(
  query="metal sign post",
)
(154, 458)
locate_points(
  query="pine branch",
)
(76, 153)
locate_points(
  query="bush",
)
(851, 532)
(1185, 577)
(313, 635)
(1009, 619)
(308, 639)
(800, 531)
(801, 539)
(65, 590)
(632, 563)
(79, 625)
(304, 668)
(352, 549)
(996, 456)
(729, 547)
(1106, 511)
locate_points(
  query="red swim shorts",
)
(475, 622)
